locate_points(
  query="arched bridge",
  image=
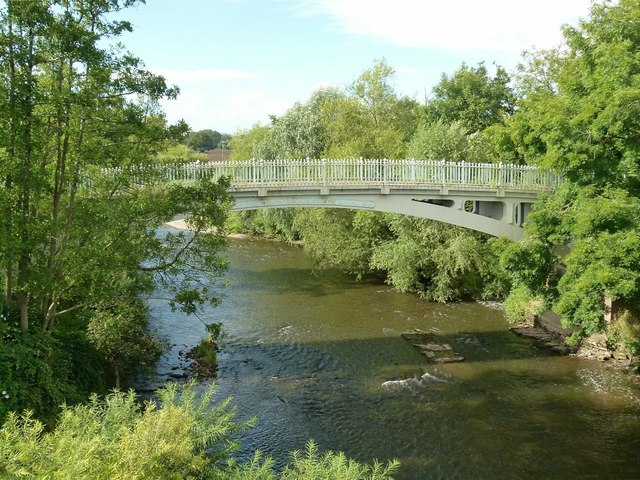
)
(490, 198)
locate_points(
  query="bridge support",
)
(486, 212)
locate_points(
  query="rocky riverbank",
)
(548, 332)
(597, 347)
(553, 341)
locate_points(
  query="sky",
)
(239, 61)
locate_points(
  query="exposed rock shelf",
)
(435, 352)
(552, 341)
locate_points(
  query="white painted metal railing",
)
(352, 172)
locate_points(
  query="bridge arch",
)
(493, 216)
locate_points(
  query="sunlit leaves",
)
(182, 435)
(578, 115)
(117, 438)
(472, 97)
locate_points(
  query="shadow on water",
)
(298, 282)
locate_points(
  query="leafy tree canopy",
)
(244, 143)
(578, 116)
(369, 119)
(472, 97)
(203, 140)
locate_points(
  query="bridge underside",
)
(499, 213)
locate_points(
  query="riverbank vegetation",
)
(79, 250)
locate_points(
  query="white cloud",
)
(225, 107)
(471, 26)
(220, 99)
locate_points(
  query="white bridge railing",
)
(356, 172)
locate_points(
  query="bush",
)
(38, 371)
(182, 435)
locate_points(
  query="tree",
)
(73, 108)
(342, 238)
(589, 131)
(578, 117)
(178, 153)
(472, 97)
(78, 242)
(244, 143)
(203, 140)
(438, 261)
(369, 119)
(299, 133)
(439, 141)
(118, 332)
(60, 90)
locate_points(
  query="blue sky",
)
(237, 61)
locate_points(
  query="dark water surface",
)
(316, 355)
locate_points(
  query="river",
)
(316, 355)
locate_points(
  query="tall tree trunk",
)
(116, 372)
(60, 234)
(8, 231)
(8, 182)
(62, 147)
(24, 261)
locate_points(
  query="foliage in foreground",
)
(181, 435)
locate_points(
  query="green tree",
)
(440, 141)
(299, 133)
(70, 222)
(118, 334)
(342, 238)
(178, 153)
(78, 243)
(590, 134)
(578, 117)
(244, 143)
(60, 89)
(369, 119)
(203, 140)
(472, 97)
(438, 261)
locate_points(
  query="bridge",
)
(490, 198)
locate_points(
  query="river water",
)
(317, 355)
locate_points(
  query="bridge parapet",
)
(361, 172)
